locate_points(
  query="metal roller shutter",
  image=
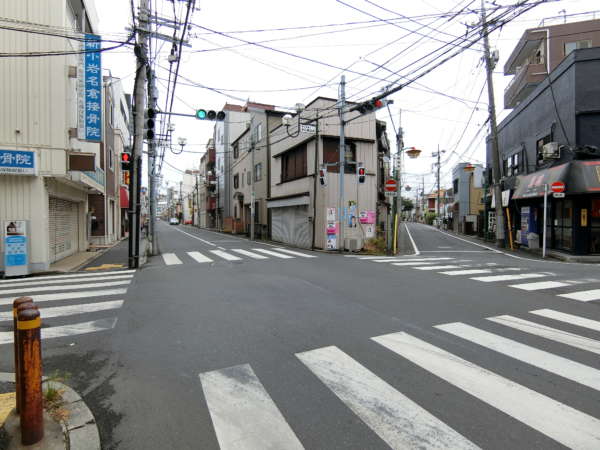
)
(62, 228)
(290, 225)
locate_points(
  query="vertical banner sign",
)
(90, 90)
(15, 248)
(331, 229)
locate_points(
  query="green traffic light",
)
(200, 114)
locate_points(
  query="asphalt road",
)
(326, 351)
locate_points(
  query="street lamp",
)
(288, 119)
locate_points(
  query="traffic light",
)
(362, 173)
(149, 123)
(126, 177)
(323, 176)
(204, 114)
(125, 161)
(372, 105)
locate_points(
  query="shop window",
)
(563, 225)
(570, 46)
(293, 164)
(595, 226)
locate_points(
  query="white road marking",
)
(58, 277)
(199, 257)
(411, 259)
(418, 263)
(250, 254)
(583, 296)
(78, 280)
(564, 337)
(195, 237)
(396, 419)
(437, 267)
(412, 241)
(539, 285)
(467, 272)
(243, 414)
(271, 253)
(67, 295)
(70, 310)
(454, 251)
(171, 259)
(517, 276)
(225, 255)
(568, 318)
(571, 370)
(564, 424)
(68, 330)
(292, 252)
(64, 287)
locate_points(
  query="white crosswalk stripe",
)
(568, 318)
(250, 254)
(467, 272)
(60, 277)
(171, 259)
(410, 260)
(518, 276)
(64, 287)
(226, 256)
(243, 414)
(437, 267)
(292, 252)
(62, 280)
(397, 420)
(68, 295)
(556, 420)
(59, 311)
(583, 296)
(272, 253)
(199, 257)
(418, 263)
(536, 286)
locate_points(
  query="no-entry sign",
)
(558, 186)
(391, 185)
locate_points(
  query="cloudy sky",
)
(304, 47)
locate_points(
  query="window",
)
(258, 132)
(331, 154)
(249, 178)
(258, 172)
(236, 151)
(293, 164)
(455, 186)
(570, 46)
(111, 158)
(236, 181)
(243, 177)
(512, 165)
(540, 146)
(538, 56)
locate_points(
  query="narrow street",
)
(222, 343)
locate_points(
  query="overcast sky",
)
(374, 53)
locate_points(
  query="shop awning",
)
(124, 197)
(532, 185)
(584, 177)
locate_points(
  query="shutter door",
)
(62, 229)
(277, 227)
(290, 225)
(302, 231)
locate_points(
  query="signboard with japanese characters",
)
(17, 162)
(90, 90)
(16, 248)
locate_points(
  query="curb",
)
(81, 430)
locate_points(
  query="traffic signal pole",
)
(342, 160)
(152, 171)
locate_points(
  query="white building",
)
(39, 119)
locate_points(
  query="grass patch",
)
(53, 396)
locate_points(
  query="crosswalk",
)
(234, 254)
(244, 415)
(517, 277)
(89, 295)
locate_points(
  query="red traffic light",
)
(125, 157)
(361, 171)
(378, 103)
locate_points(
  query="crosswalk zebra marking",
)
(292, 252)
(243, 414)
(437, 267)
(395, 418)
(536, 286)
(250, 254)
(67, 295)
(199, 257)
(558, 421)
(571, 370)
(58, 277)
(67, 330)
(171, 259)
(467, 272)
(583, 296)
(568, 318)
(226, 256)
(421, 263)
(518, 276)
(564, 337)
(70, 310)
(271, 253)
(410, 260)
(64, 287)
(78, 280)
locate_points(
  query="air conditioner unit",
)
(353, 244)
(551, 150)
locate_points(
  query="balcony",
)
(93, 180)
(524, 82)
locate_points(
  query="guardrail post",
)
(16, 303)
(30, 354)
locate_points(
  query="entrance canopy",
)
(584, 177)
(532, 185)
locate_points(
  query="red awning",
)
(124, 197)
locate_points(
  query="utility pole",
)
(342, 160)
(496, 170)
(252, 178)
(138, 138)
(153, 98)
(438, 187)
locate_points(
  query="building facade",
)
(468, 191)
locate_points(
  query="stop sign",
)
(391, 185)
(557, 186)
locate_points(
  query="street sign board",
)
(558, 186)
(307, 128)
(558, 195)
(391, 186)
(391, 193)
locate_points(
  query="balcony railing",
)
(524, 81)
(98, 176)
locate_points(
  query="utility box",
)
(15, 236)
(533, 240)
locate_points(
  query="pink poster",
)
(332, 228)
(367, 217)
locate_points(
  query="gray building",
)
(467, 184)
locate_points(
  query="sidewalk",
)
(77, 430)
(78, 260)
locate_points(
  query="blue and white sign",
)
(17, 162)
(16, 258)
(90, 90)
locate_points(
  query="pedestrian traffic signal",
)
(125, 161)
(362, 173)
(323, 176)
(204, 114)
(372, 105)
(149, 123)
